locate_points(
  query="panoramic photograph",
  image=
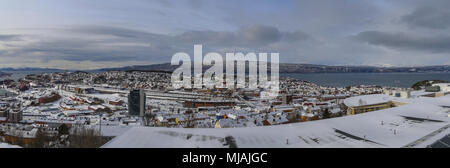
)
(224, 74)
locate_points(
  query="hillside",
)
(284, 68)
(425, 83)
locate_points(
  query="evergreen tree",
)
(63, 130)
(326, 114)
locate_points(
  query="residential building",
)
(15, 116)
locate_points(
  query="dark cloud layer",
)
(429, 17)
(100, 43)
(9, 37)
(248, 36)
(344, 32)
(404, 41)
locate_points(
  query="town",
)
(86, 109)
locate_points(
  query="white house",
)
(445, 87)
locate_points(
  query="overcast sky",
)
(89, 34)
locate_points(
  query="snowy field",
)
(417, 124)
(5, 145)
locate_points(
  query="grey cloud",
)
(165, 3)
(434, 44)
(295, 36)
(261, 34)
(103, 43)
(246, 36)
(9, 37)
(207, 37)
(113, 31)
(250, 35)
(428, 17)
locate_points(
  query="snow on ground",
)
(439, 101)
(394, 127)
(113, 131)
(108, 97)
(418, 93)
(382, 98)
(5, 145)
(372, 99)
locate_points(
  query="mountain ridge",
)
(302, 68)
(283, 68)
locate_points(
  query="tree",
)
(190, 119)
(348, 88)
(63, 130)
(82, 137)
(41, 140)
(148, 118)
(326, 114)
(421, 84)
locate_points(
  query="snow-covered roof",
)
(394, 127)
(372, 99)
(418, 93)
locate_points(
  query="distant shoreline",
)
(4, 74)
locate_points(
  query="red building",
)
(116, 103)
(49, 99)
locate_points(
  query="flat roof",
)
(394, 127)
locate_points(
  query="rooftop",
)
(394, 127)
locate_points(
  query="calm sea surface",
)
(381, 79)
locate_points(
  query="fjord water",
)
(404, 80)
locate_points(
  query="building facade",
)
(402, 93)
(136, 102)
(368, 108)
(15, 116)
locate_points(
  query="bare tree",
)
(190, 119)
(42, 139)
(82, 137)
(148, 118)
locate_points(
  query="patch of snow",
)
(5, 145)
